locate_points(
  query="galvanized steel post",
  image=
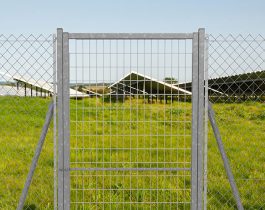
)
(66, 122)
(197, 117)
(55, 143)
(63, 120)
(194, 166)
(201, 116)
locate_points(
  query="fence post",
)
(201, 116)
(197, 118)
(66, 121)
(205, 146)
(55, 124)
(63, 120)
(194, 169)
(60, 116)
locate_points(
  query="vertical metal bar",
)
(60, 118)
(205, 150)
(195, 66)
(201, 50)
(66, 121)
(36, 157)
(197, 117)
(55, 124)
(224, 157)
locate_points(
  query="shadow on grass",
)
(113, 99)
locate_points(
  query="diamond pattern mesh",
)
(237, 89)
(236, 68)
(26, 67)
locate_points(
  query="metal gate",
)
(130, 126)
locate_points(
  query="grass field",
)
(133, 124)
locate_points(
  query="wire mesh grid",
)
(130, 135)
(26, 76)
(236, 87)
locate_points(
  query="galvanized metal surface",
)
(195, 100)
(205, 143)
(130, 169)
(131, 36)
(66, 121)
(55, 137)
(77, 52)
(201, 115)
(60, 119)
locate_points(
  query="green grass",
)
(21, 122)
(104, 128)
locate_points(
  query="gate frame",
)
(63, 120)
(63, 68)
(198, 50)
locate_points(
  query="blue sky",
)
(33, 16)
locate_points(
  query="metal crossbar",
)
(130, 36)
(133, 126)
(130, 169)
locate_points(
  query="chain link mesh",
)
(236, 87)
(26, 67)
(237, 90)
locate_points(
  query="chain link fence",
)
(26, 67)
(237, 89)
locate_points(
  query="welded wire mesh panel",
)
(26, 76)
(130, 130)
(237, 89)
